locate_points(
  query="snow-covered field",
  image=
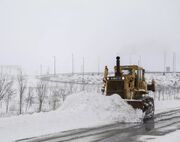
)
(89, 108)
(78, 111)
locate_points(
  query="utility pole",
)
(83, 68)
(174, 62)
(139, 61)
(54, 65)
(98, 65)
(164, 63)
(47, 70)
(83, 73)
(130, 59)
(72, 64)
(40, 69)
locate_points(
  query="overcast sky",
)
(33, 31)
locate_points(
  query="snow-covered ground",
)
(168, 80)
(89, 109)
(90, 78)
(166, 105)
(167, 87)
(78, 111)
(173, 137)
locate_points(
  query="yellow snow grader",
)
(129, 82)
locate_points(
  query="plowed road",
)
(162, 124)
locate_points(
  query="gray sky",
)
(33, 31)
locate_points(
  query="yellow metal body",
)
(130, 84)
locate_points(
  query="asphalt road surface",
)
(162, 124)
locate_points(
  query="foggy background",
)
(32, 32)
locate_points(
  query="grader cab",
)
(129, 82)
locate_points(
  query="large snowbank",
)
(78, 111)
(98, 107)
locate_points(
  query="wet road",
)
(162, 124)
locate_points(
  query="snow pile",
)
(99, 108)
(81, 110)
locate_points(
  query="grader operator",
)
(129, 82)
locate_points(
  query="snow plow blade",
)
(146, 105)
(136, 104)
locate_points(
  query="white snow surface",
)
(84, 110)
(80, 110)
(171, 137)
(166, 105)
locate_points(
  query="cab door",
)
(140, 78)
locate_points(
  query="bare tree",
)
(55, 96)
(21, 89)
(10, 93)
(29, 99)
(5, 85)
(58, 94)
(41, 92)
(63, 94)
(71, 86)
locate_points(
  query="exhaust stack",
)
(117, 73)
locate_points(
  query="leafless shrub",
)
(9, 95)
(5, 85)
(41, 92)
(21, 89)
(29, 99)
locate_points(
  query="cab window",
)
(126, 72)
